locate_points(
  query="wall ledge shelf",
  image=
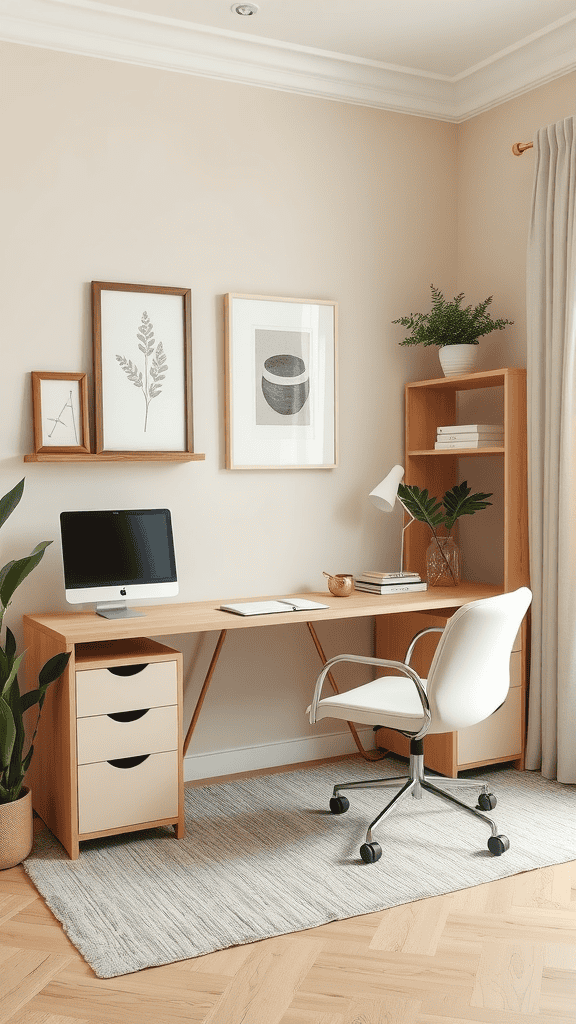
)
(115, 457)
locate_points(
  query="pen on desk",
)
(294, 607)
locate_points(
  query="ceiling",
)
(447, 59)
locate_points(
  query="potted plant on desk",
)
(453, 328)
(16, 799)
(443, 562)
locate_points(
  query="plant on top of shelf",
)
(14, 762)
(450, 323)
(456, 502)
(451, 327)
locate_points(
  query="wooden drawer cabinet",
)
(112, 761)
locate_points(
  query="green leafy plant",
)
(450, 323)
(14, 763)
(458, 501)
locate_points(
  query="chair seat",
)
(390, 701)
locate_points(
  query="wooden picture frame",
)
(142, 353)
(60, 412)
(281, 382)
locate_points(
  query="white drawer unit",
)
(128, 737)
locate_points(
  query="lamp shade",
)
(384, 495)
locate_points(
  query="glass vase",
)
(443, 562)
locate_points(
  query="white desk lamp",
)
(384, 496)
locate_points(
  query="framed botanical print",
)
(60, 412)
(142, 368)
(281, 376)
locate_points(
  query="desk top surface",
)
(205, 616)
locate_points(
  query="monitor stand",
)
(116, 610)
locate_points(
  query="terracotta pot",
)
(16, 835)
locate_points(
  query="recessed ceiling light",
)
(245, 9)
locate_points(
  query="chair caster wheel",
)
(339, 804)
(498, 845)
(370, 852)
(487, 801)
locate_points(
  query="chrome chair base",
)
(415, 783)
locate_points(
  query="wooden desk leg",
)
(369, 755)
(204, 691)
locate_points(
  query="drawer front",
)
(110, 797)
(101, 738)
(497, 736)
(101, 691)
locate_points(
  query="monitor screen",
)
(109, 555)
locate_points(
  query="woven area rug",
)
(264, 857)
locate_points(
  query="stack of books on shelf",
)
(389, 582)
(470, 435)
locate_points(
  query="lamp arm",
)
(404, 528)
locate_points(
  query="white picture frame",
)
(142, 368)
(281, 382)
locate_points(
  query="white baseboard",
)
(272, 755)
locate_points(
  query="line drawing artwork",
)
(58, 421)
(155, 364)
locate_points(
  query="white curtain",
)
(551, 363)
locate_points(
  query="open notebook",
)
(295, 604)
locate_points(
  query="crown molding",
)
(111, 33)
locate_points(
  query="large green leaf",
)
(9, 501)
(7, 733)
(19, 570)
(53, 668)
(459, 502)
(8, 685)
(421, 505)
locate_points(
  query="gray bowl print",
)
(284, 394)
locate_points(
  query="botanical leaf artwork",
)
(155, 364)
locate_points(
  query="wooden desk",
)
(53, 774)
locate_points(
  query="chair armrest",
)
(416, 637)
(360, 659)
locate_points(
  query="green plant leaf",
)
(450, 323)
(19, 570)
(7, 733)
(460, 502)
(53, 668)
(10, 500)
(420, 505)
(7, 689)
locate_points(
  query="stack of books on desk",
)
(389, 582)
(470, 435)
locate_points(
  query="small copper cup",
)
(340, 585)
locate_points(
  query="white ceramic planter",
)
(455, 359)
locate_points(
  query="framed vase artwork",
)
(60, 412)
(142, 368)
(281, 381)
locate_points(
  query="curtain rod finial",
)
(519, 147)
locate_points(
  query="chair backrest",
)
(470, 673)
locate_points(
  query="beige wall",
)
(121, 173)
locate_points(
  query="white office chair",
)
(468, 680)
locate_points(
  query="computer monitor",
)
(113, 555)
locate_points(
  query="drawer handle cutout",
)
(127, 670)
(128, 762)
(128, 716)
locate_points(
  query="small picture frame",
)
(142, 369)
(60, 412)
(281, 382)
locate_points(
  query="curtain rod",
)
(519, 147)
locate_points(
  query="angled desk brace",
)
(369, 755)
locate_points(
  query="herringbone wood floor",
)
(501, 953)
